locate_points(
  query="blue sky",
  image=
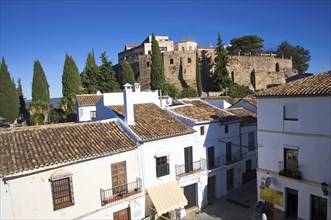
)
(46, 30)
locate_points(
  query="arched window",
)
(232, 76)
(277, 67)
(253, 79)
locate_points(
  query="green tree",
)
(221, 75)
(198, 75)
(189, 92)
(9, 103)
(70, 78)
(300, 56)
(107, 79)
(249, 44)
(157, 69)
(23, 112)
(126, 74)
(239, 91)
(40, 96)
(89, 75)
(170, 90)
(40, 87)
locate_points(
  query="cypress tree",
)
(40, 87)
(198, 75)
(221, 75)
(90, 74)
(23, 112)
(40, 96)
(157, 69)
(126, 74)
(107, 80)
(8, 96)
(70, 77)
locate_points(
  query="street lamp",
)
(324, 188)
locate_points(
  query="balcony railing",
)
(120, 192)
(190, 168)
(217, 163)
(231, 159)
(291, 174)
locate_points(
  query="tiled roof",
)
(228, 99)
(87, 100)
(30, 148)
(251, 100)
(151, 122)
(247, 116)
(200, 111)
(316, 85)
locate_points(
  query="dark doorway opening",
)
(318, 208)
(292, 203)
(190, 194)
(211, 187)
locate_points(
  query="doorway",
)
(211, 161)
(229, 179)
(211, 187)
(318, 208)
(191, 196)
(292, 203)
(123, 214)
(188, 159)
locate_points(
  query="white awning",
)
(167, 197)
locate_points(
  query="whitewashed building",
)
(218, 139)
(85, 107)
(294, 148)
(85, 170)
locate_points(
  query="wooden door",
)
(188, 159)
(123, 214)
(211, 186)
(229, 179)
(211, 161)
(191, 196)
(118, 176)
(318, 208)
(228, 152)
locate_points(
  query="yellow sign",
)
(271, 195)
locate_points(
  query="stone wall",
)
(256, 72)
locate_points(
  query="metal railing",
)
(120, 192)
(291, 174)
(217, 163)
(191, 167)
(230, 159)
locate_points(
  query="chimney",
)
(136, 87)
(128, 104)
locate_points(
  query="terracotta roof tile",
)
(247, 116)
(200, 111)
(31, 148)
(151, 122)
(316, 85)
(87, 100)
(228, 99)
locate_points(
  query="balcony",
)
(229, 159)
(190, 168)
(120, 192)
(291, 174)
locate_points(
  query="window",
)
(149, 52)
(277, 67)
(162, 166)
(171, 61)
(226, 129)
(290, 112)
(251, 141)
(183, 49)
(93, 114)
(147, 64)
(62, 193)
(248, 165)
(232, 76)
(291, 160)
(190, 48)
(163, 48)
(202, 130)
(189, 60)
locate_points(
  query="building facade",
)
(294, 148)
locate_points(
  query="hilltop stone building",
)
(256, 72)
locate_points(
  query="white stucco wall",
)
(310, 135)
(31, 195)
(84, 113)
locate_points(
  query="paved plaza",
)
(239, 204)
